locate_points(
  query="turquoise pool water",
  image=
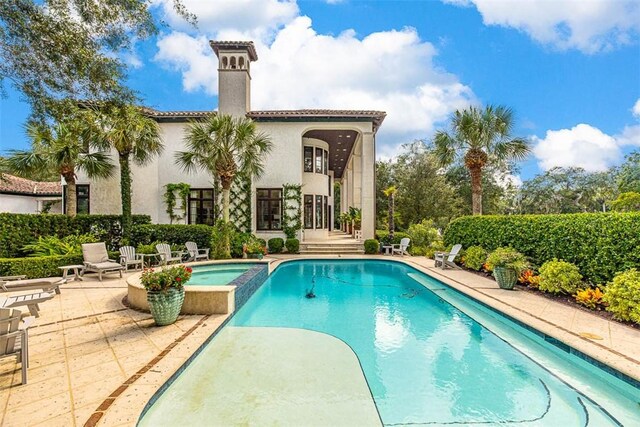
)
(218, 274)
(432, 356)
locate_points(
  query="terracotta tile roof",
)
(235, 45)
(17, 185)
(159, 115)
(377, 117)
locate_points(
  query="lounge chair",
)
(18, 283)
(96, 259)
(194, 253)
(401, 248)
(129, 257)
(14, 337)
(446, 259)
(29, 300)
(166, 255)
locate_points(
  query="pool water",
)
(433, 356)
(218, 274)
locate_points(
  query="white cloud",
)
(391, 71)
(587, 25)
(508, 181)
(630, 135)
(636, 109)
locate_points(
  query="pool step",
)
(354, 248)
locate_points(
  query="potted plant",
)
(165, 292)
(506, 265)
(255, 248)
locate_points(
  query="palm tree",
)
(224, 147)
(135, 137)
(63, 147)
(391, 193)
(479, 137)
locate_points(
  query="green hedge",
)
(382, 236)
(174, 234)
(36, 267)
(275, 245)
(599, 244)
(17, 230)
(292, 245)
(371, 246)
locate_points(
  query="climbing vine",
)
(170, 199)
(292, 215)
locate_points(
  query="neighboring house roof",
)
(176, 116)
(10, 184)
(235, 45)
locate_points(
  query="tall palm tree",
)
(224, 147)
(135, 137)
(479, 136)
(65, 148)
(391, 193)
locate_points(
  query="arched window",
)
(241, 63)
(233, 63)
(225, 62)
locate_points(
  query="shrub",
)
(166, 278)
(383, 237)
(238, 240)
(151, 248)
(293, 246)
(437, 246)
(474, 258)
(174, 234)
(529, 278)
(590, 298)
(36, 267)
(371, 246)
(223, 238)
(559, 277)
(55, 246)
(623, 296)
(275, 245)
(423, 233)
(600, 244)
(506, 258)
(16, 230)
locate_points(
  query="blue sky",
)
(569, 69)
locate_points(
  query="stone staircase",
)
(338, 243)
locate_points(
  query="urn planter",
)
(165, 305)
(506, 277)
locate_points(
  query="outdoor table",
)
(387, 249)
(78, 271)
(146, 263)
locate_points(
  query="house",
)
(20, 195)
(311, 148)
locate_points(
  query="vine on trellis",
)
(240, 203)
(292, 210)
(170, 199)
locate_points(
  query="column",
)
(368, 185)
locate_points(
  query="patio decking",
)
(94, 361)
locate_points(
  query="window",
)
(318, 211)
(269, 206)
(326, 212)
(308, 211)
(201, 206)
(325, 162)
(319, 160)
(329, 183)
(82, 199)
(308, 159)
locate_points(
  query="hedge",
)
(600, 244)
(371, 246)
(17, 230)
(174, 234)
(36, 267)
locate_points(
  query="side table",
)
(78, 271)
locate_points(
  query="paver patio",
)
(94, 361)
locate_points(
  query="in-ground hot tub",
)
(214, 288)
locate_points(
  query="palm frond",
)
(96, 165)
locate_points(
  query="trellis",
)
(292, 209)
(240, 203)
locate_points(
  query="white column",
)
(368, 185)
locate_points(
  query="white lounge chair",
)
(18, 283)
(29, 300)
(401, 248)
(129, 257)
(194, 253)
(166, 255)
(14, 337)
(446, 259)
(96, 259)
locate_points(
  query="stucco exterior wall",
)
(14, 203)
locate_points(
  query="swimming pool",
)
(429, 354)
(218, 274)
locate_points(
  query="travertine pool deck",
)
(96, 362)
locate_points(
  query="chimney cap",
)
(235, 45)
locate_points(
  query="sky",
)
(570, 69)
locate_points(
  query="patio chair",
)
(402, 247)
(129, 257)
(14, 338)
(446, 259)
(29, 300)
(19, 283)
(96, 259)
(194, 253)
(166, 255)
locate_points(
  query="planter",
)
(255, 256)
(165, 306)
(506, 277)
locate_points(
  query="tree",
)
(390, 193)
(135, 137)
(224, 147)
(384, 179)
(57, 51)
(479, 137)
(627, 202)
(64, 147)
(493, 189)
(628, 176)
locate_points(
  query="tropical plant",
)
(166, 278)
(508, 258)
(390, 193)
(135, 137)
(590, 298)
(480, 136)
(623, 295)
(65, 148)
(559, 277)
(255, 246)
(474, 258)
(224, 147)
(54, 246)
